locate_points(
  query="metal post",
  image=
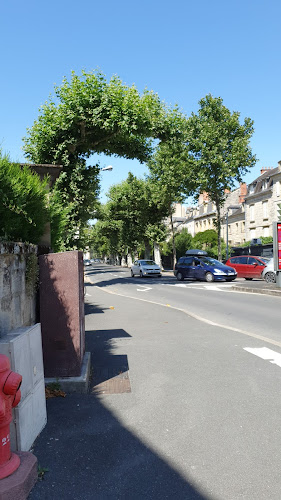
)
(227, 234)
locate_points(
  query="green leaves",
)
(93, 115)
(23, 203)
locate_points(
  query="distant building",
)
(261, 203)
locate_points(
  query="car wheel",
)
(141, 275)
(270, 277)
(179, 276)
(209, 277)
(248, 279)
(132, 274)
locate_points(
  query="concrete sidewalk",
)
(93, 445)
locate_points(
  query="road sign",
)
(277, 245)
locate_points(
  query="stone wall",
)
(18, 274)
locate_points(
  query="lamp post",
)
(106, 168)
(231, 207)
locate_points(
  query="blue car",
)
(197, 265)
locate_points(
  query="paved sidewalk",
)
(93, 445)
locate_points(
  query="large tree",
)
(90, 115)
(218, 150)
(140, 208)
(170, 171)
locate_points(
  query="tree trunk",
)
(157, 255)
(147, 250)
(123, 261)
(129, 260)
(219, 230)
(173, 240)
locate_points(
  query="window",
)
(237, 228)
(266, 231)
(278, 188)
(252, 261)
(252, 212)
(265, 209)
(242, 260)
(186, 262)
(252, 233)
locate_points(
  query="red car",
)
(248, 266)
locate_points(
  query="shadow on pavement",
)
(91, 455)
(105, 364)
(93, 308)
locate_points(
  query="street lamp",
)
(107, 168)
(231, 207)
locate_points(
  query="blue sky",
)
(182, 50)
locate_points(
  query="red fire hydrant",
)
(9, 398)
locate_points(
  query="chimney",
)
(266, 169)
(243, 192)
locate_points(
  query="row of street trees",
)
(208, 151)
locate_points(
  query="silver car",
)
(268, 273)
(145, 268)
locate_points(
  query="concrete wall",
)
(20, 339)
(17, 295)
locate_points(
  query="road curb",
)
(262, 291)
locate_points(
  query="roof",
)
(258, 182)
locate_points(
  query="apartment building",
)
(263, 195)
(255, 210)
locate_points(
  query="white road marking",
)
(200, 286)
(145, 289)
(175, 284)
(265, 353)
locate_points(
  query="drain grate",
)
(117, 384)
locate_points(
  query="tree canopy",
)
(88, 115)
(213, 156)
(140, 208)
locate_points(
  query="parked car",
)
(268, 273)
(197, 265)
(248, 266)
(145, 268)
(87, 262)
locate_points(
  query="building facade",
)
(248, 211)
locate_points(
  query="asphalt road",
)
(180, 406)
(217, 302)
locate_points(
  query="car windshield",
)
(210, 261)
(148, 262)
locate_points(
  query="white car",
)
(145, 268)
(268, 273)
